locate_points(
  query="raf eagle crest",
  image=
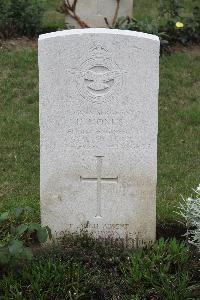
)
(99, 75)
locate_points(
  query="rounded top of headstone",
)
(64, 33)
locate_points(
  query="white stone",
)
(93, 12)
(98, 126)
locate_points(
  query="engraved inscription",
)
(99, 120)
(99, 181)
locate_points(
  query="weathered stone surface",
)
(93, 12)
(98, 126)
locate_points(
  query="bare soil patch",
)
(18, 43)
(24, 42)
(194, 49)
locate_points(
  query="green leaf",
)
(27, 253)
(34, 226)
(21, 229)
(12, 229)
(4, 216)
(15, 247)
(17, 212)
(42, 235)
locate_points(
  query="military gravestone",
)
(93, 12)
(98, 126)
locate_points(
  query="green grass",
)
(179, 127)
(144, 8)
(52, 18)
(85, 269)
(19, 131)
(178, 142)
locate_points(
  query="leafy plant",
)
(144, 25)
(17, 234)
(192, 28)
(20, 17)
(189, 209)
(178, 27)
(171, 27)
(161, 270)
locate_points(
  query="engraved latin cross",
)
(99, 180)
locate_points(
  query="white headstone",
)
(98, 125)
(93, 12)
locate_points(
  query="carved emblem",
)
(99, 75)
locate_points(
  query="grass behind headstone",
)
(178, 143)
(19, 130)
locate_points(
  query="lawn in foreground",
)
(85, 269)
(178, 140)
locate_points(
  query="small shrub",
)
(178, 27)
(192, 28)
(189, 209)
(16, 235)
(144, 25)
(20, 17)
(171, 27)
